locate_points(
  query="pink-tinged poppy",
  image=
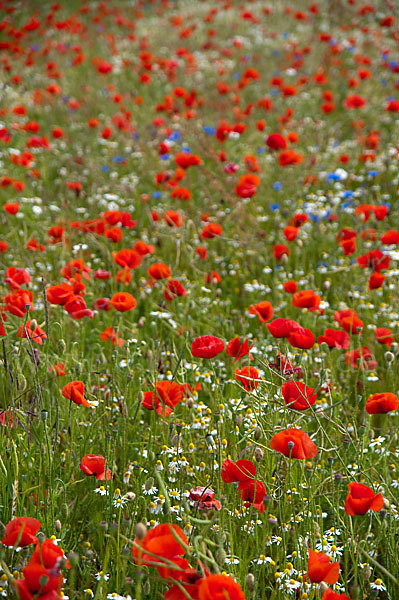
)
(247, 376)
(204, 499)
(94, 464)
(294, 443)
(21, 531)
(297, 395)
(207, 346)
(75, 391)
(237, 349)
(285, 366)
(382, 402)
(335, 338)
(361, 499)
(384, 336)
(320, 568)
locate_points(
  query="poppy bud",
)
(21, 382)
(43, 415)
(103, 525)
(147, 588)
(389, 357)
(61, 346)
(258, 454)
(141, 322)
(239, 420)
(354, 592)
(327, 284)
(140, 396)
(140, 531)
(149, 483)
(220, 555)
(366, 572)
(58, 525)
(250, 582)
(73, 558)
(323, 587)
(190, 403)
(33, 324)
(257, 433)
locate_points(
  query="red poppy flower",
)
(297, 395)
(37, 335)
(329, 594)
(275, 141)
(291, 233)
(335, 338)
(384, 336)
(21, 530)
(247, 376)
(263, 310)
(165, 398)
(360, 359)
(44, 565)
(301, 338)
(123, 301)
(290, 287)
(321, 569)
(390, 237)
(109, 333)
(16, 277)
(282, 328)
(59, 294)
(289, 157)
(185, 160)
(204, 498)
(207, 346)
(162, 542)
(237, 349)
(376, 280)
(173, 289)
(19, 302)
(375, 259)
(128, 258)
(349, 320)
(159, 271)
(244, 472)
(11, 208)
(306, 299)
(220, 587)
(75, 391)
(294, 443)
(211, 230)
(382, 402)
(94, 464)
(361, 499)
(279, 250)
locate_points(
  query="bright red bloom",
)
(204, 498)
(173, 289)
(264, 311)
(237, 349)
(381, 403)
(19, 302)
(162, 542)
(207, 346)
(16, 277)
(291, 233)
(294, 443)
(159, 271)
(275, 141)
(321, 569)
(220, 587)
(211, 230)
(384, 336)
(165, 398)
(289, 157)
(302, 338)
(375, 259)
(128, 258)
(21, 530)
(290, 287)
(335, 338)
(75, 391)
(109, 333)
(94, 464)
(282, 328)
(349, 320)
(37, 335)
(44, 565)
(361, 499)
(329, 594)
(297, 395)
(280, 250)
(247, 376)
(362, 361)
(306, 299)
(376, 280)
(186, 160)
(390, 237)
(60, 294)
(123, 301)
(243, 472)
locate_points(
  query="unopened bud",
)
(386, 504)
(140, 396)
(33, 324)
(389, 357)
(58, 525)
(141, 322)
(220, 555)
(257, 433)
(61, 346)
(323, 587)
(239, 420)
(43, 415)
(354, 592)
(258, 454)
(366, 572)
(327, 284)
(140, 531)
(250, 582)
(190, 402)
(147, 588)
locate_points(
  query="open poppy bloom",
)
(263, 310)
(297, 395)
(207, 346)
(282, 328)
(94, 464)
(237, 349)
(21, 531)
(361, 499)
(204, 499)
(220, 587)
(37, 335)
(123, 301)
(162, 542)
(349, 320)
(164, 400)
(306, 299)
(159, 271)
(294, 443)
(302, 338)
(248, 377)
(329, 594)
(335, 338)
(75, 391)
(381, 403)
(384, 336)
(43, 578)
(321, 569)
(243, 472)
